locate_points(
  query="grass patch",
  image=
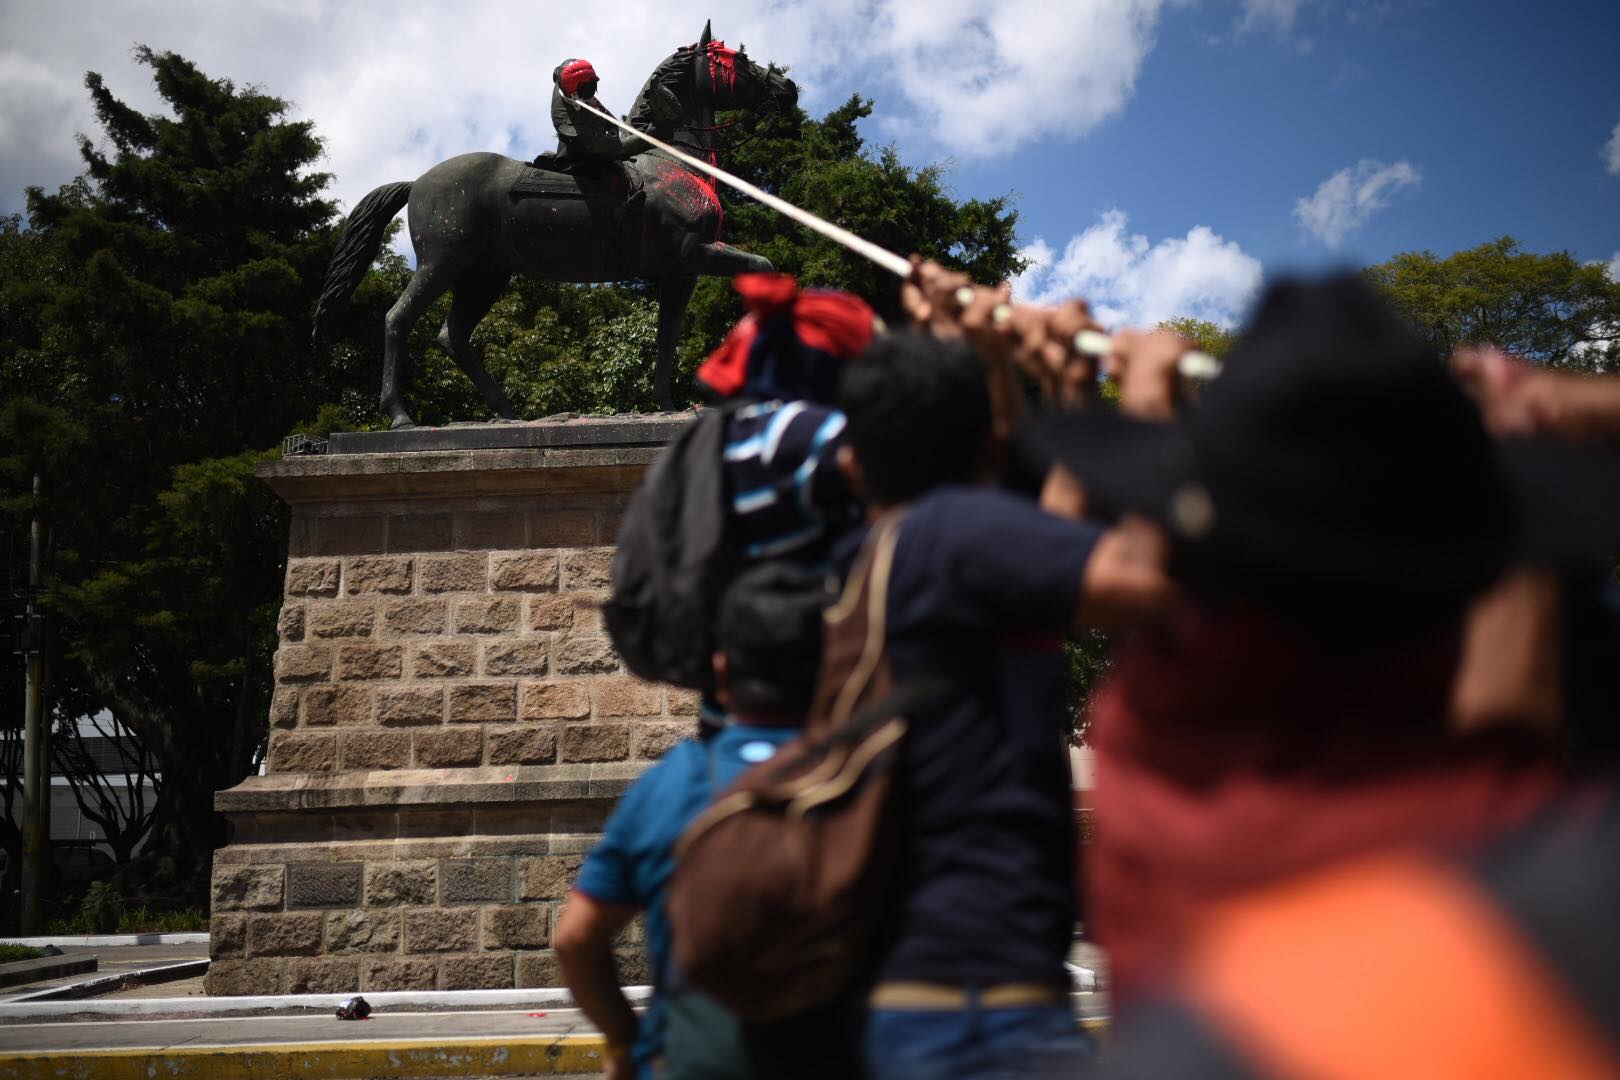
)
(10, 953)
(137, 920)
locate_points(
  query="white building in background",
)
(69, 825)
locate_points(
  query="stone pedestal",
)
(450, 725)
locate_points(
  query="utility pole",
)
(36, 755)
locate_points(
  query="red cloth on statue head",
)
(576, 73)
(1231, 752)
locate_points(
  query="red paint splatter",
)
(695, 196)
(722, 67)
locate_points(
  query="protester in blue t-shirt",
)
(769, 636)
(969, 980)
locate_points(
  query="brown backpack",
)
(780, 885)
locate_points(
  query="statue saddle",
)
(616, 185)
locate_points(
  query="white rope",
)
(1196, 365)
(891, 262)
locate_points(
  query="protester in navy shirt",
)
(769, 632)
(970, 980)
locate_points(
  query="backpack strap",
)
(856, 631)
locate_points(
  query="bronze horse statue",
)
(474, 223)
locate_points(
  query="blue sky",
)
(1167, 154)
(1501, 107)
(1502, 110)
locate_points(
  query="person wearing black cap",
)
(1333, 505)
(769, 644)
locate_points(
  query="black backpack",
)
(674, 560)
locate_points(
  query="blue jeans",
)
(975, 1043)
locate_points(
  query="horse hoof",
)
(402, 423)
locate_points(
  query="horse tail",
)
(356, 250)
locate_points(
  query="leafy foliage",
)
(1087, 656)
(153, 328)
(1213, 339)
(102, 908)
(1553, 308)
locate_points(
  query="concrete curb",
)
(135, 1008)
(184, 969)
(391, 1060)
(23, 972)
(104, 940)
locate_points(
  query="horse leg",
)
(475, 294)
(674, 290)
(426, 285)
(722, 260)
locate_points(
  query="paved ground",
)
(411, 1043)
(116, 958)
(414, 1042)
(413, 1025)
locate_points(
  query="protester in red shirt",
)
(1333, 504)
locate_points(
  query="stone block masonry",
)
(449, 725)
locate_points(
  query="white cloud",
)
(1611, 151)
(395, 86)
(391, 87)
(986, 76)
(1129, 280)
(1614, 267)
(1346, 200)
(1277, 15)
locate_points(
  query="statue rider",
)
(582, 136)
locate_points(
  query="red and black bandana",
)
(791, 343)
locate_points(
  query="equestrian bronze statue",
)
(477, 219)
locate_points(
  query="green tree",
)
(1553, 309)
(156, 345)
(1211, 338)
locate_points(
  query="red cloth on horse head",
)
(1231, 751)
(825, 325)
(722, 66)
(576, 73)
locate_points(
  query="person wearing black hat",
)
(768, 633)
(1333, 505)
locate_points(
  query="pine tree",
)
(157, 348)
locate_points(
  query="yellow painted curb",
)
(317, 1061)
